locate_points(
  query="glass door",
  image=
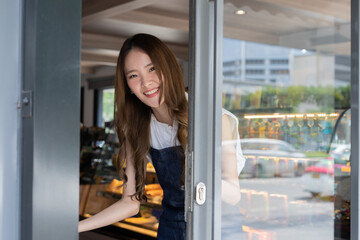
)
(286, 80)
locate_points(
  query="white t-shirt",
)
(163, 136)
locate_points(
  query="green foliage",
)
(342, 97)
(108, 106)
(326, 98)
(316, 154)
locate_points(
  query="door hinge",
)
(26, 104)
(188, 184)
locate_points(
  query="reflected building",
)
(256, 64)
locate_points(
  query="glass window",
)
(106, 106)
(254, 61)
(294, 134)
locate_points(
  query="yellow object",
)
(141, 220)
(116, 186)
(154, 193)
(150, 167)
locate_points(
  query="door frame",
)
(49, 174)
(355, 117)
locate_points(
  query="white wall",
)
(10, 67)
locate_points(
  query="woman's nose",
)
(146, 80)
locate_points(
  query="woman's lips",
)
(152, 92)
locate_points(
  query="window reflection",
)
(286, 77)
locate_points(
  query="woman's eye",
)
(132, 76)
(152, 69)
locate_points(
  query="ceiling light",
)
(240, 12)
(303, 50)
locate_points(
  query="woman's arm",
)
(124, 208)
(229, 172)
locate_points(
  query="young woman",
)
(151, 117)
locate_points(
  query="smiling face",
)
(142, 78)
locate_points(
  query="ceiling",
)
(322, 25)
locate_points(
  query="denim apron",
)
(167, 164)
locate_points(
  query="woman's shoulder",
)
(228, 113)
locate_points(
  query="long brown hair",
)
(132, 117)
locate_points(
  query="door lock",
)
(200, 195)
